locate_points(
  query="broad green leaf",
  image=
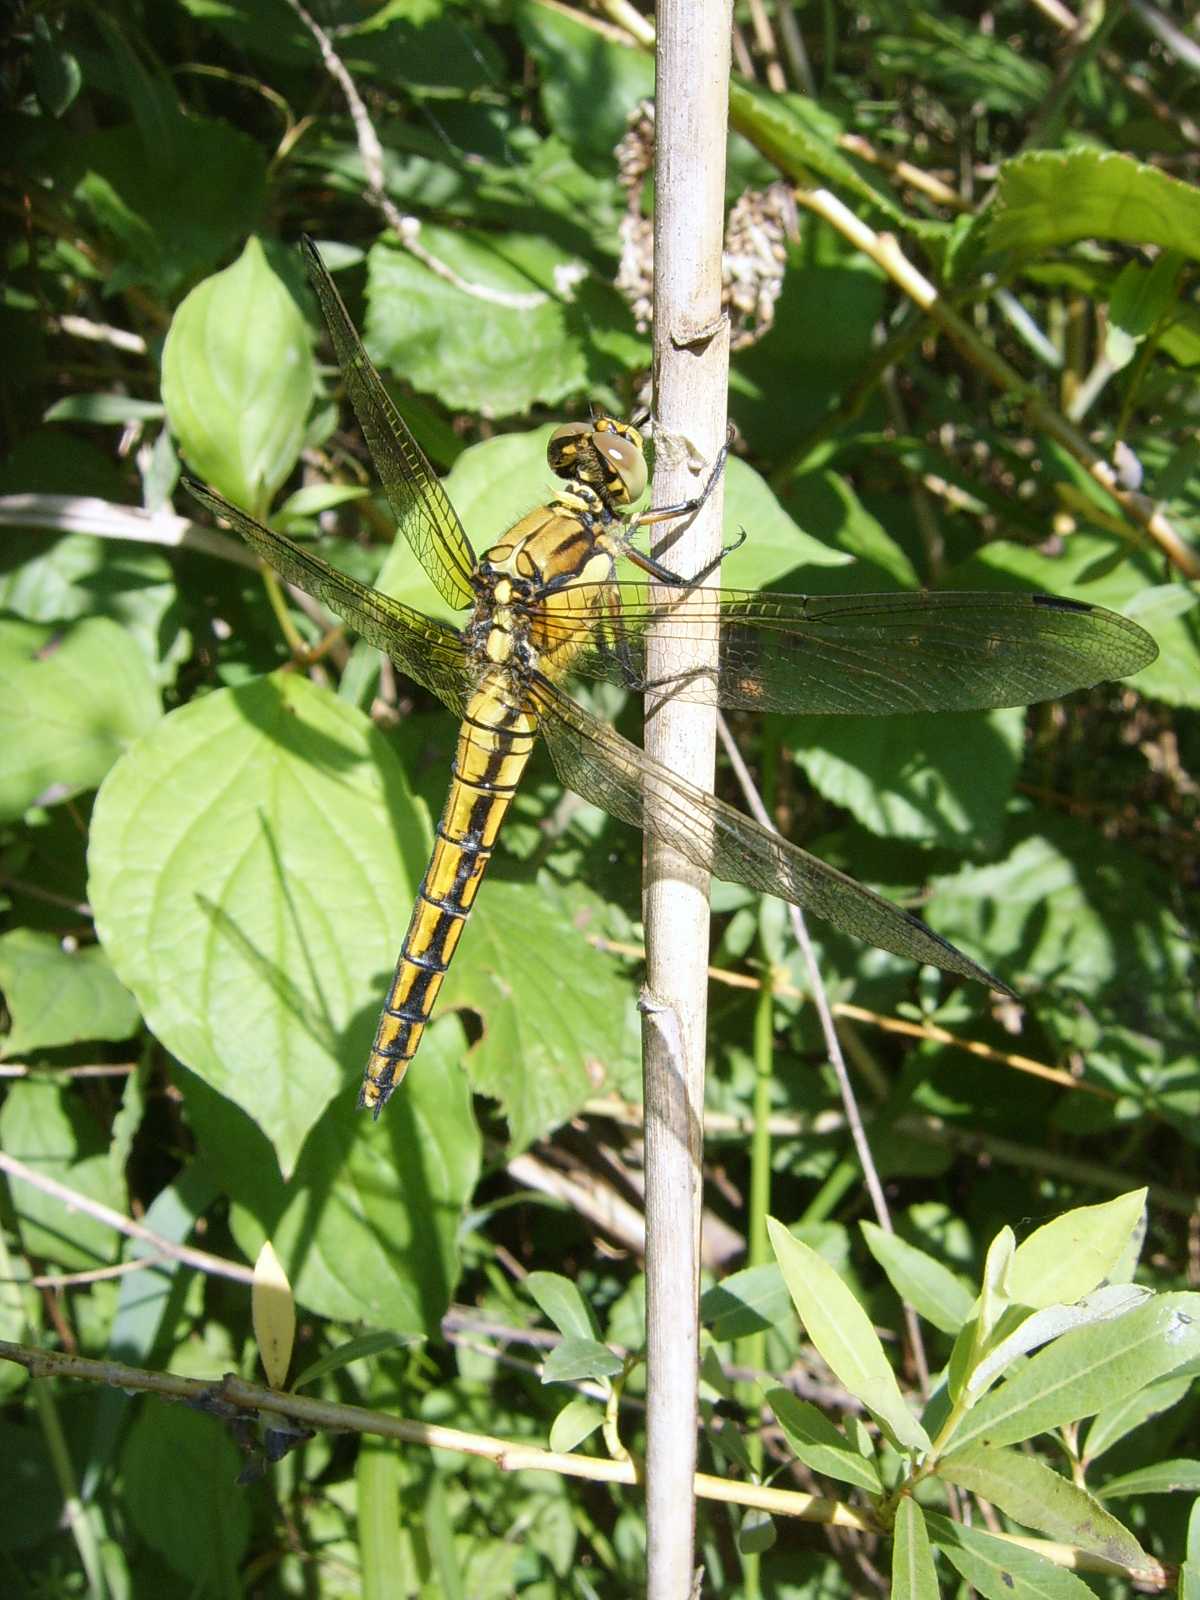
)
(577, 1421)
(819, 1444)
(1164, 1477)
(784, 388)
(1001, 1569)
(1141, 298)
(367, 1226)
(1065, 910)
(1064, 1260)
(238, 380)
(56, 996)
(745, 1302)
(1114, 1300)
(168, 1452)
(589, 82)
(170, 219)
(497, 329)
(71, 700)
(1087, 1369)
(933, 1291)
(576, 1359)
(913, 1574)
(942, 780)
(1049, 198)
(560, 1302)
(540, 1058)
(1114, 1422)
(1026, 1489)
(252, 867)
(45, 1126)
(314, 498)
(842, 1333)
(44, 578)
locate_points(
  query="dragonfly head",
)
(605, 454)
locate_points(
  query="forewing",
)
(421, 647)
(595, 761)
(421, 506)
(873, 654)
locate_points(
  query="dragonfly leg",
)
(676, 580)
(684, 508)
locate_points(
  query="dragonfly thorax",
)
(604, 455)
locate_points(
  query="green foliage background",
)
(207, 858)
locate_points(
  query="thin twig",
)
(188, 1254)
(232, 1396)
(691, 382)
(406, 227)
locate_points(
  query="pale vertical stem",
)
(691, 354)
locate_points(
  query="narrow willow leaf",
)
(1116, 1421)
(1164, 1477)
(994, 1297)
(1103, 1306)
(757, 1532)
(1001, 1569)
(819, 1444)
(1086, 1369)
(274, 1313)
(842, 1332)
(1066, 1259)
(577, 1420)
(560, 1302)
(913, 1575)
(934, 1292)
(361, 1349)
(576, 1359)
(1029, 1491)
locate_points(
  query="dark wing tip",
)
(1059, 602)
(1139, 648)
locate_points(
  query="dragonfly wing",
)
(595, 761)
(424, 649)
(873, 654)
(421, 506)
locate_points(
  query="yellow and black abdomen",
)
(494, 743)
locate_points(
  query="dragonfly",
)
(545, 602)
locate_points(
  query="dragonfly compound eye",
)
(626, 462)
(562, 452)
